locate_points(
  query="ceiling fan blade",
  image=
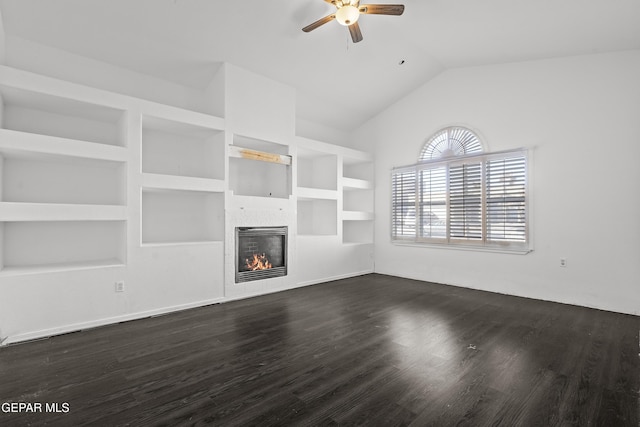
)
(356, 35)
(382, 9)
(319, 22)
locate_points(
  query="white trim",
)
(332, 278)
(482, 244)
(478, 248)
(75, 327)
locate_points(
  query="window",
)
(459, 195)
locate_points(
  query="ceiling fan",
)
(348, 12)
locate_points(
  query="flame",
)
(258, 262)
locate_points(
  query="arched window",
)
(459, 195)
(451, 141)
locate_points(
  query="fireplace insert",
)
(261, 253)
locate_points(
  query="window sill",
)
(474, 248)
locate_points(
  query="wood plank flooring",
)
(371, 350)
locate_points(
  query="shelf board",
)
(181, 243)
(11, 211)
(183, 122)
(51, 268)
(357, 216)
(102, 99)
(353, 243)
(16, 142)
(187, 183)
(356, 184)
(316, 193)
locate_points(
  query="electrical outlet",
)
(563, 262)
(119, 286)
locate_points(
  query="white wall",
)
(312, 130)
(256, 105)
(582, 117)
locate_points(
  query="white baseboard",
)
(75, 327)
(45, 333)
(332, 278)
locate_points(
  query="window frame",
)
(484, 243)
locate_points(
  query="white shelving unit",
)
(258, 178)
(50, 115)
(62, 179)
(357, 198)
(317, 170)
(65, 193)
(317, 193)
(183, 185)
(98, 188)
(183, 149)
(42, 246)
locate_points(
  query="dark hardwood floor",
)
(372, 350)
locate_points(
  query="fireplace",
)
(261, 253)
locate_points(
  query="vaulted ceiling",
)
(338, 83)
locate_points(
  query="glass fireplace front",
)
(261, 253)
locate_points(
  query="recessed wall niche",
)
(317, 170)
(250, 176)
(48, 115)
(42, 178)
(181, 149)
(32, 246)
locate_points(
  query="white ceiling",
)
(339, 83)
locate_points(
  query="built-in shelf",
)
(173, 216)
(61, 267)
(65, 189)
(44, 114)
(62, 176)
(358, 167)
(356, 184)
(182, 149)
(317, 170)
(10, 211)
(37, 246)
(257, 178)
(357, 216)
(315, 193)
(172, 182)
(357, 198)
(204, 115)
(16, 142)
(34, 177)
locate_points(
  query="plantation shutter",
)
(506, 199)
(403, 204)
(433, 203)
(458, 196)
(465, 201)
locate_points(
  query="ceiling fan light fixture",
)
(347, 15)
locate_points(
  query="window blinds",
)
(472, 199)
(403, 202)
(506, 199)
